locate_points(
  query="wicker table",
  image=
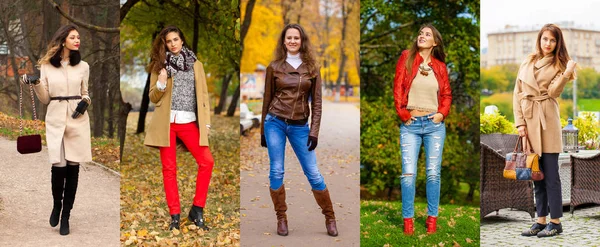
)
(564, 162)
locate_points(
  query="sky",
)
(526, 13)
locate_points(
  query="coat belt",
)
(537, 100)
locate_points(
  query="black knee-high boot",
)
(70, 190)
(58, 186)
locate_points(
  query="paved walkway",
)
(338, 161)
(26, 202)
(580, 229)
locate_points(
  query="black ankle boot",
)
(174, 222)
(196, 215)
(70, 191)
(58, 187)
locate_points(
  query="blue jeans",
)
(276, 132)
(432, 135)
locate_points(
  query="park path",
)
(26, 202)
(338, 161)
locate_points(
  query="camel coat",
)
(60, 126)
(534, 104)
(158, 131)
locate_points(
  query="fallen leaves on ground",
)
(144, 212)
(104, 150)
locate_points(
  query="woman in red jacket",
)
(422, 97)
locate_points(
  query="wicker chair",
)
(585, 182)
(498, 192)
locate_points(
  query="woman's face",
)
(292, 41)
(174, 42)
(72, 41)
(425, 39)
(547, 43)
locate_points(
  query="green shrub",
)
(589, 130)
(495, 123)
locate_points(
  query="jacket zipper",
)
(296, 101)
(276, 98)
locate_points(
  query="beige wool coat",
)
(157, 134)
(60, 126)
(537, 86)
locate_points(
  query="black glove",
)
(312, 143)
(263, 141)
(80, 110)
(30, 80)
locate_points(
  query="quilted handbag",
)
(523, 165)
(27, 144)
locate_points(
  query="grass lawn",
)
(588, 104)
(381, 224)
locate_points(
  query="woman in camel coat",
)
(179, 91)
(540, 81)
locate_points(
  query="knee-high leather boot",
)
(324, 201)
(69, 198)
(58, 187)
(278, 197)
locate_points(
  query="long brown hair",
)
(55, 48)
(437, 52)
(306, 49)
(158, 54)
(561, 55)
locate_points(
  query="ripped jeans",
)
(432, 135)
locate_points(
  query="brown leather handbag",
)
(27, 144)
(523, 165)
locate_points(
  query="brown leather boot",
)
(324, 201)
(278, 197)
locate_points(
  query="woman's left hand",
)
(437, 118)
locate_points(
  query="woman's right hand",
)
(522, 130)
(162, 76)
(29, 80)
(570, 67)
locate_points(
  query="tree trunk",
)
(234, 100)
(246, 23)
(141, 128)
(471, 193)
(344, 57)
(196, 24)
(223, 95)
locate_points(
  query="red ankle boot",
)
(409, 226)
(431, 224)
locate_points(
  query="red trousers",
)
(190, 135)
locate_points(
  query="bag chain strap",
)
(21, 106)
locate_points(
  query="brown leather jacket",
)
(287, 91)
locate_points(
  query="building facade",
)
(513, 44)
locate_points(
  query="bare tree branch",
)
(126, 7)
(81, 23)
(386, 32)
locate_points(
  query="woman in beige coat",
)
(541, 79)
(179, 92)
(63, 86)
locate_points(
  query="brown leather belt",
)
(292, 122)
(60, 98)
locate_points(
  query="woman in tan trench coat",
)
(63, 86)
(179, 92)
(541, 79)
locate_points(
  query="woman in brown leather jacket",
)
(291, 80)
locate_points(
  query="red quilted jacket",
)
(403, 81)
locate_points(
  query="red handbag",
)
(27, 144)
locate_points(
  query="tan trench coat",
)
(60, 126)
(534, 104)
(157, 134)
